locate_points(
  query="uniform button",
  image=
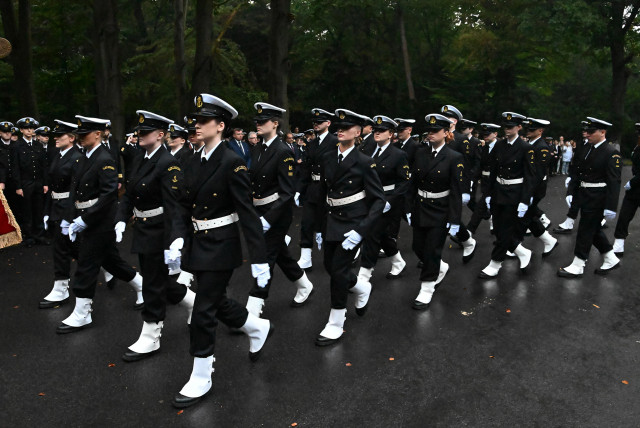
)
(215, 194)
(205, 209)
(144, 219)
(206, 231)
(194, 205)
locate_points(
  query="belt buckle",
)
(195, 225)
(330, 202)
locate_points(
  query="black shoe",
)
(562, 231)
(382, 255)
(564, 274)
(550, 251)
(483, 275)
(467, 259)
(112, 283)
(295, 304)
(182, 401)
(46, 304)
(363, 310)
(419, 306)
(603, 272)
(65, 329)
(325, 341)
(392, 276)
(254, 356)
(131, 356)
(138, 306)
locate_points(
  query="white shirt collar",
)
(381, 149)
(63, 152)
(268, 143)
(531, 142)
(510, 142)
(28, 141)
(405, 142)
(150, 155)
(323, 136)
(176, 151)
(595, 146)
(199, 149)
(491, 144)
(89, 153)
(206, 155)
(438, 149)
(346, 152)
(6, 143)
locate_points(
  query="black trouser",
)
(308, 226)
(472, 200)
(32, 210)
(97, 249)
(505, 226)
(394, 226)
(531, 221)
(380, 238)
(627, 211)
(212, 304)
(481, 212)
(277, 254)
(573, 209)
(63, 251)
(427, 244)
(157, 288)
(337, 262)
(590, 233)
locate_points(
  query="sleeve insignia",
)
(373, 165)
(460, 165)
(288, 160)
(177, 168)
(108, 167)
(240, 168)
(174, 179)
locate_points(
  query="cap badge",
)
(379, 121)
(432, 120)
(141, 119)
(171, 128)
(508, 117)
(199, 101)
(445, 108)
(317, 113)
(79, 122)
(341, 115)
(259, 109)
(27, 121)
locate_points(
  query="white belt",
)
(507, 182)
(348, 200)
(585, 184)
(265, 201)
(86, 204)
(148, 213)
(389, 187)
(486, 173)
(216, 222)
(431, 195)
(315, 177)
(56, 195)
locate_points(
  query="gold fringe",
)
(11, 238)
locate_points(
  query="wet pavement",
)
(521, 350)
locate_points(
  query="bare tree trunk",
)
(279, 64)
(107, 65)
(203, 66)
(19, 34)
(139, 15)
(405, 55)
(179, 7)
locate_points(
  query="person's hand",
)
(185, 278)
(76, 227)
(265, 225)
(1, 186)
(487, 200)
(454, 229)
(45, 189)
(64, 227)
(174, 251)
(609, 215)
(627, 186)
(569, 200)
(387, 207)
(567, 181)
(19, 192)
(296, 199)
(261, 273)
(409, 218)
(352, 240)
(466, 197)
(45, 221)
(522, 209)
(119, 229)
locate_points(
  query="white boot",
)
(397, 266)
(305, 288)
(362, 291)
(305, 258)
(58, 295)
(426, 293)
(79, 318)
(187, 302)
(524, 255)
(468, 249)
(148, 342)
(334, 328)
(255, 305)
(618, 247)
(549, 243)
(545, 220)
(611, 261)
(566, 225)
(200, 380)
(364, 274)
(444, 268)
(107, 276)
(575, 269)
(258, 330)
(491, 271)
(136, 284)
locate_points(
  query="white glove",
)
(569, 200)
(45, 220)
(64, 226)
(522, 209)
(261, 273)
(454, 229)
(265, 225)
(609, 215)
(487, 200)
(172, 255)
(465, 198)
(626, 187)
(287, 240)
(566, 182)
(353, 239)
(119, 229)
(319, 240)
(296, 199)
(387, 207)
(76, 227)
(409, 218)
(185, 278)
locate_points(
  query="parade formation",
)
(193, 191)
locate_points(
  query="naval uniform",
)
(596, 187)
(531, 219)
(410, 147)
(367, 145)
(481, 211)
(130, 154)
(6, 177)
(154, 197)
(578, 156)
(471, 163)
(631, 199)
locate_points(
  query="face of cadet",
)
(596, 136)
(6, 136)
(381, 135)
(404, 133)
(64, 141)
(437, 137)
(512, 132)
(321, 127)
(347, 135)
(28, 133)
(207, 128)
(148, 139)
(43, 139)
(266, 127)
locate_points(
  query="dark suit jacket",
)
(60, 176)
(244, 152)
(410, 148)
(183, 155)
(130, 153)
(368, 145)
(512, 161)
(470, 156)
(114, 151)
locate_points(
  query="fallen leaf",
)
(16, 307)
(348, 364)
(15, 355)
(508, 311)
(180, 412)
(391, 359)
(41, 394)
(295, 424)
(111, 365)
(596, 306)
(491, 356)
(626, 382)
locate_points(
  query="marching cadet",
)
(405, 140)
(30, 176)
(471, 161)
(113, 147)
(219, 196)
(130, 152)
(273, 189)
(42, 135)
(154, 197)
(596, 188)
(57, 204)
(489, 134)
(94, 194)
(466, 127)
(531, 220)
(392, 167)
(367, 143)
(630, 202)
(178, 138)
(354, 202)
(190, 126)
(510, 192)
(308, 187)
(436, 179)
(7, 183)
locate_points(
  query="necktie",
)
(264, 149)
(588, 153)
(240, 145)
(433, 154)
(376, 154)
(340, 157)
(203, 160)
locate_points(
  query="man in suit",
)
(354, 200)
(42, 135)
(595, 189)
(237, 144)
(273, 188)
(630, 202)
(94, 193)
(308, 186)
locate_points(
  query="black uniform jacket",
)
(354, 174)
(367, 145)
(436, 175)
(315, 153)
(602, 165)
(512, 161)
(485, 169)
(471, 158)
(157, 182)
(60, 175)
(392, 167)
(95, 178)
(183, 155)
(215, 189)
(6, 170)
(410, 148)
(541, 167)
(272, 172)
(29, 164)
(130, 153)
